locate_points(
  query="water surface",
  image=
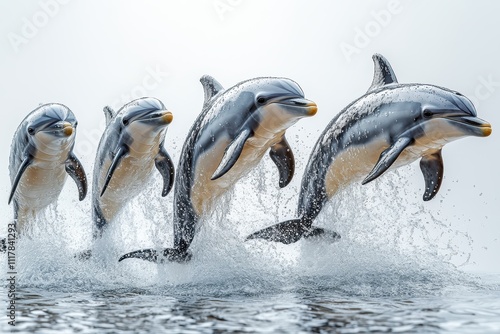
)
(397, 268)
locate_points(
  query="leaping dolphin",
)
(130, 148)
(41, 158)
(235, 129)
(390, 126)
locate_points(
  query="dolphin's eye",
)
(76, 124)
(125, 121)
(261, 100)
(427, 113)
(31, 131)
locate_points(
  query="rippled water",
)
(397, 268)
(311, 305)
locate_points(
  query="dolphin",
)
(131, 146)
(390, 126)
(235, 129)
(41, 158)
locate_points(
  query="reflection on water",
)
(299, 309)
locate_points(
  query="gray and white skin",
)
(131, 146)
(41, 157)
(235, 129)
(390, 126)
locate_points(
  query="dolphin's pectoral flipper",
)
(211, 87)
(286, 232)
(20, 172)
(151, 255)
(109, 113)
(432, 167)
(165, 166)
(384, 75)
(232, 153)
(318, 232)
(122, 151)
(282, 155)
(75, 169)
(387, 158)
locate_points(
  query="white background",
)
(88, 54)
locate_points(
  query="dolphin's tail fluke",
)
(286, 232)
(152, 255)
(291, 231)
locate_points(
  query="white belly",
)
(132, 174)
(205, 191)
(43, 180)
(37, 189)
(40, 187)
(356, 162)
(129, 180)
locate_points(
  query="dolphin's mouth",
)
(162, 116)
(300, 104)
(474, 123)
(60, 129)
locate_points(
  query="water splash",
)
(391, 245)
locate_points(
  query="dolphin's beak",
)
(479, 127)
(68, 129)
(60, 129)
(161, 116)
(300, 104)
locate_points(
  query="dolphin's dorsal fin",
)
(384, 75)
(211, 87)
(109, 113)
